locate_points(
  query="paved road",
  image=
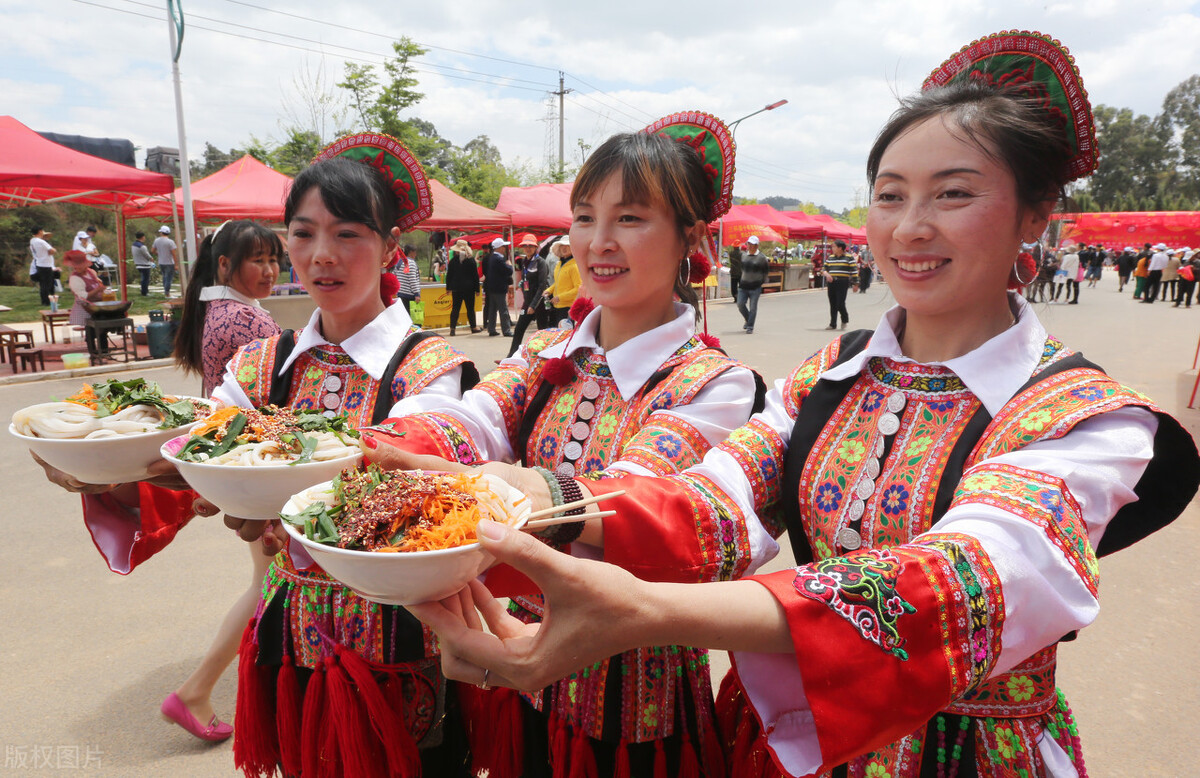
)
(87, 655)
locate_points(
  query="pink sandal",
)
(175, 711)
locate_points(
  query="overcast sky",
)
(102, 68)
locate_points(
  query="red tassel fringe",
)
(689, 765)
(660, 760)
(495, 730)
(559, 746)
(312, 720)
(255, 748)
(385, 717)
(347, 718)
(583, 759)
(622, 769)
(288, 715)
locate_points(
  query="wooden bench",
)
(25, 357)
(12, 339)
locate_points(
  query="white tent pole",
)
(175, 25)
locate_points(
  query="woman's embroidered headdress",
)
(1036, 66)
(404, 176)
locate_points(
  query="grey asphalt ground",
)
(87, 656)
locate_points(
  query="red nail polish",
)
(370, 442)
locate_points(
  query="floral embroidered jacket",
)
(898, 617)
(611, 420)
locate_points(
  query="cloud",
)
(81, 68)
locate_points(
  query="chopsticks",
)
(571, 506)
(541, 523)
(548, 517)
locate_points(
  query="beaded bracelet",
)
(562, 490)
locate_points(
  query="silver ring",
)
(484, 685)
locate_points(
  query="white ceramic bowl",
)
(406, 578)
(115, 460)
(252, 492)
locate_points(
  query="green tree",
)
(378, 104)
(478, 174)
(1135, 155)
(1181, 110)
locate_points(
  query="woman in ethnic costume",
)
(632, 389)
(237, 266)
(329, 684)
(948, 482)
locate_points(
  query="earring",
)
(686, 267)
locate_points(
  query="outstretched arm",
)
(593, 610)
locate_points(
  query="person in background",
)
(866, 270)
(237, 266)
(1189, 274)
(462, 282)
(949, 483)
(565, 284)
(87, 288)
(1069, 267)
(168, 258)
(142, 260)
(534, 278)
(1125, 264)
(754, 275)
(1141, 272)
(43, 263)
(838, 272)
(408, 275)
(497, 279)
(1170, 274)
(1155, 267)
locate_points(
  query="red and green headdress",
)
(404, 176)
(712, 140)
(1037, 66)
(399, 167)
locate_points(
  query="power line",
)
(379, 57)
(389, 37)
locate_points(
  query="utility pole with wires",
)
(562, 92)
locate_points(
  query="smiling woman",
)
(947, 483)
(632, 389)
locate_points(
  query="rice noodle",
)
(64, 420)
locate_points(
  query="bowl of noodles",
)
(398, 537)
(107, 433)
(248, 462)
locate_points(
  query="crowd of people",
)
(947, 481)
(1159, 273)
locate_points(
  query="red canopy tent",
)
(1115, 230)
(835, 230)
(34, 171)
(742, 221)
(453, 211)
(802, 226)
(245, 189)
(544, 207)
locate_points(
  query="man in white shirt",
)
(1158, 262)
(43, 261)
(168, 263)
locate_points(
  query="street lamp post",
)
(732, 134)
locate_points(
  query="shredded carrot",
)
(85, 396)
(216, 421)
(447, 520)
